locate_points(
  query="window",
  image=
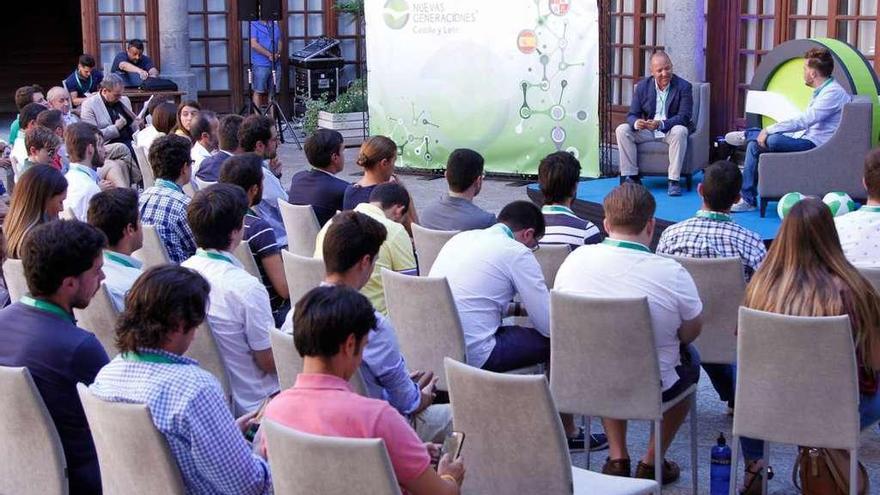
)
(209, 44)
(636, 31)
(305, 21)
(350, 33)
(757, 37)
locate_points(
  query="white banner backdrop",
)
(512, 79)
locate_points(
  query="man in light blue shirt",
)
(258, 134)
(115, 213)
(812, 128)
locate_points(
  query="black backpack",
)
(158, 84)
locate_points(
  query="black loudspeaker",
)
(252, 10)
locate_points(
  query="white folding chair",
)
(289, 363)
(144, 166)
(428, 244)
(153, 252)
(302, 227)
(13, 274)
(99, 317)
(246, 258)
(550, 258)
(303, 273)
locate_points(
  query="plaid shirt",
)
(164, 207)
(702, 237)
(188, 408)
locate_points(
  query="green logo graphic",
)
(396, 13)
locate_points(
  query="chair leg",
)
(587, 420)
(734, 461)
(694, 463)
(763, 207)
(854, 471)
(763, 471)
(689, 180)
(658, 455)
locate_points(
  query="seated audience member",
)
(350, 250)
(24, 95)
(165, 307)
(388, 205)
(164, 205)
(806, 274)
(59, 99)
(62, 265)
(712, 233)
(318, 186)
(115, 213)
(85, 146)
(204, 135)
(84, 81)
(54, 121)
(39, 197)
(456, 210)
(164, 118)
(257, 134)
(331, 324)
(239, 314)
(42, 144)
(377, 157)
(558, 176)
(818, 123)
(246, 171)
(111, 112)
(132, 65)
(209, 171)
(187, 113)
(859, 231)
(28, 118)
(607, 270)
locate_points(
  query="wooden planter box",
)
(353, 126)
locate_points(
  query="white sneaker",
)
(742, 206)
(735, 138)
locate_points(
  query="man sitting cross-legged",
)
(623, 266)
(186, 403)
(115, 213)
(350, 250)
(332, 331)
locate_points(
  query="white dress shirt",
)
(859, 234)
(82, 184)
(268, 209)
(198, 153)
(120, 272)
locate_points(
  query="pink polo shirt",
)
(325, 405)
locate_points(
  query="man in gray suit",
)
(111, 113)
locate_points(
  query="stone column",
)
(683, 31)
(174, 46)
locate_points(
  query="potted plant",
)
(348, 114)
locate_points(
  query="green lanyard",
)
(47, 307)
(79, 83)
(148, 357)
(119, 259)
(506, 230)
(167, 184)
(714, 215)
(252, 212)
(214, 256)
(820, 88)
(556, 209)
(870, 209)
(626, 245)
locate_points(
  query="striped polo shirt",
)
(562, 226)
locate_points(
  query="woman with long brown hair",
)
(806, 274)
(187, 113)
(37, 199)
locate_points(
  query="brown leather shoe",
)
(617, 467)
(671, 471)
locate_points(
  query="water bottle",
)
(719, 471)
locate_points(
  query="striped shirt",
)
(261, 239)
(562, 226)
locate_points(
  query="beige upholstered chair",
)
(550, 258)
(721, 285)
(144, 166)
(303, 274)
(289, 363)
(428, 244)
(153, 252)
(246, 258)
(603, 362)
(31, 457)
(302, 227)
(873, 276)
(425, 321)
(306, 463)
(204, 350)
(515, 442)
(99, 317)
(16, 284)
(133, 455)
(796, 383)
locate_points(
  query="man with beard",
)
(62, 265)
(258, 135)
(85, 146)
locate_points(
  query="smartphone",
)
(452, 445)
(251, 432)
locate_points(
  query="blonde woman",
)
(37, 199)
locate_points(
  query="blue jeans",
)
(517, 347)
(263, 79)
(776, 143)
(723, 378)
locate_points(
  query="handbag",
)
(826, 472)
(158, 84)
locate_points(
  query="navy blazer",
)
(679, 104)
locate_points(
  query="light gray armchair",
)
(834, 166)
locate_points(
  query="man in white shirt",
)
(204, 132)
(115, 213)
(259, 135)
(859, 231)
(86, 149)
(623, 266)
(239, 313)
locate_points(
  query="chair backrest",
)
(603, 357)
(550, 258)
(303, 273)
(246, 257)
(204, 350)
(289, 363)
(873, 276)
(99, 317)
(796, 380)
(722, 286)
(16, 284)
(153, 252)
(515, 442)
(425, 321)
(302, 227)
(428, 244)
(144, 166)
(31, 456)
(306, 463)
(701, 99)
(131, 451)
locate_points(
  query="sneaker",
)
(671, 472)
(598, 441)
(735, 138)
(674, 188)
(617, 467)
(742, 206)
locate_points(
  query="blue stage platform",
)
(669, 210)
